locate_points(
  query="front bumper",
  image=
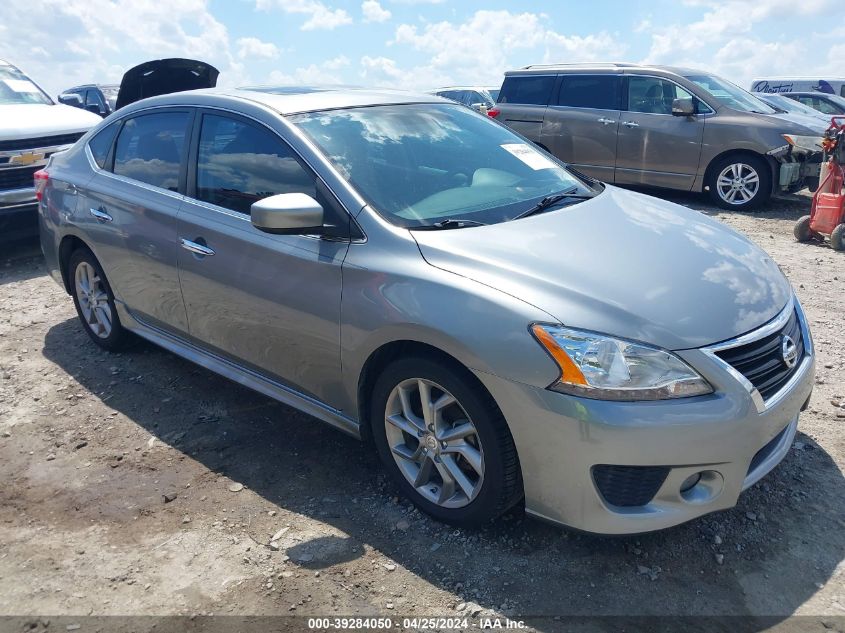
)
(560, 439)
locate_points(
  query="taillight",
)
(41, 177)
(493, 112)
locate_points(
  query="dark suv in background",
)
(658, 126)
(97, 98)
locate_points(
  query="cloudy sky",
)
(413, 43)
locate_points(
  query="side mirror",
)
(287, 214)
(683, 107)
(71, 100)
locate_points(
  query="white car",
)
(32, 128)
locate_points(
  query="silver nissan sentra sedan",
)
(502, 328)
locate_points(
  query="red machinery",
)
(827, 214)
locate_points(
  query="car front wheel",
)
(740, 182)
(444, 441)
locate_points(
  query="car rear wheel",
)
(94, 301)
(739, 182)
(444, 441)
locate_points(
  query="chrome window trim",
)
(771, 327)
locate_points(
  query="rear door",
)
(269, 302)
(523, 102)
(656, 148)
(581, 123)
(129, 211)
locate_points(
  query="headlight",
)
(606, 368)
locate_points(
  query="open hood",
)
(163, 76)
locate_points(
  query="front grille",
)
(17, 178)
(761, 455)
(629, 486)
(761, 361)
(41, 141)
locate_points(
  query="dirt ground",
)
(139, 483)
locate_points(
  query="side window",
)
(655, 96)
(825, 107)
(150, 148)
(92, 97)
(527, 89)
(239, 163)
(590, 91)
(102, 142)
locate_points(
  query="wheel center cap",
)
(431, 442)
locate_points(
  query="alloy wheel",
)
(738, 183)
(93, 300)
(434, 443)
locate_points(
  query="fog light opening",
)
(702, 487)
(690, 482)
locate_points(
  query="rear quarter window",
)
(102, 142)
(527, 89)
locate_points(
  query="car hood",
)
(29, 120)
(622, 263)
(816, 124)
(163, 76)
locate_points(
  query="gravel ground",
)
(139, 483)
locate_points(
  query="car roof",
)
(602, 67)
(295, 99)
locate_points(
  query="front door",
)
(654, 147)
(129, 211)
(268, 302)
(581, 122)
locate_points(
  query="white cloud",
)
(374, 12)
(320, 15)
(723, 40)
(325, 72)
(66, 42)
(480, 49)
(254, 47)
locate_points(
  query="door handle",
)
(101, 215)
(197, 249)
(604, 121)
(630, 124)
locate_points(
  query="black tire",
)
(802, 230)
(837, 238)
(758, 165)
(118, 338)
(501, 486)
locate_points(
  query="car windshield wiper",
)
(550, 201)
(448, 223)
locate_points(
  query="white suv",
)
(32, 128)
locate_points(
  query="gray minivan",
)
(658, 126)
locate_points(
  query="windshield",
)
(17, 88)
(494, 94)
(790, 105)
(730, 95)
(420, 164)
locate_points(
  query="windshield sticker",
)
(20, 85)
(529, 156)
